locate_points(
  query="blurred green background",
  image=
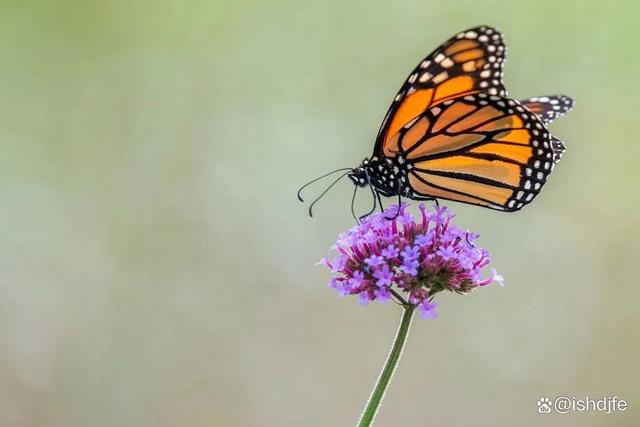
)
(156, 268)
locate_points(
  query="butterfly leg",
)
(380, 202)
(398, 191)
(375, 204)
(353, 201)
(466, 236)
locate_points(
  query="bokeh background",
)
(156, 268)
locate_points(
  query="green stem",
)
(377, 394)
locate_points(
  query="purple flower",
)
(414, 257)
(422, 240)
(446, 253)
(384, 275)
(390, 252)
(374, 261)
(410, 253)
(382, 295)
(428, 310)
(410, 267)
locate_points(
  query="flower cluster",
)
(392, 254)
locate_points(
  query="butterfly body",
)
(387, 176)
(453, 133)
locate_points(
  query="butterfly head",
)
(360, 176)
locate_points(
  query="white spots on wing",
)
(425, 63)
(471, 35)
(529, 197)
(446, 63)
(527, 185)
(435, 111)
(440, 77)
(413, 77)
(485, 74)
(439, 57)
(425, 77)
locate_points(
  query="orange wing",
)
(469, 62)
(549, 108)
(480, 149)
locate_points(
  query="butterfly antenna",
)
(318, 179)
(353, 201)
(326, 190)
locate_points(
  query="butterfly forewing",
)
(549, 108)
(470, 62)
(482, 149)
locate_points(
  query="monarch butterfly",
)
(452, 133)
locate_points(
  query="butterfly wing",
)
(479, 149)
(469, 62)
(549, 108)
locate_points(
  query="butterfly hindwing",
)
(549, 108)
(470, 62)
(481, 149)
